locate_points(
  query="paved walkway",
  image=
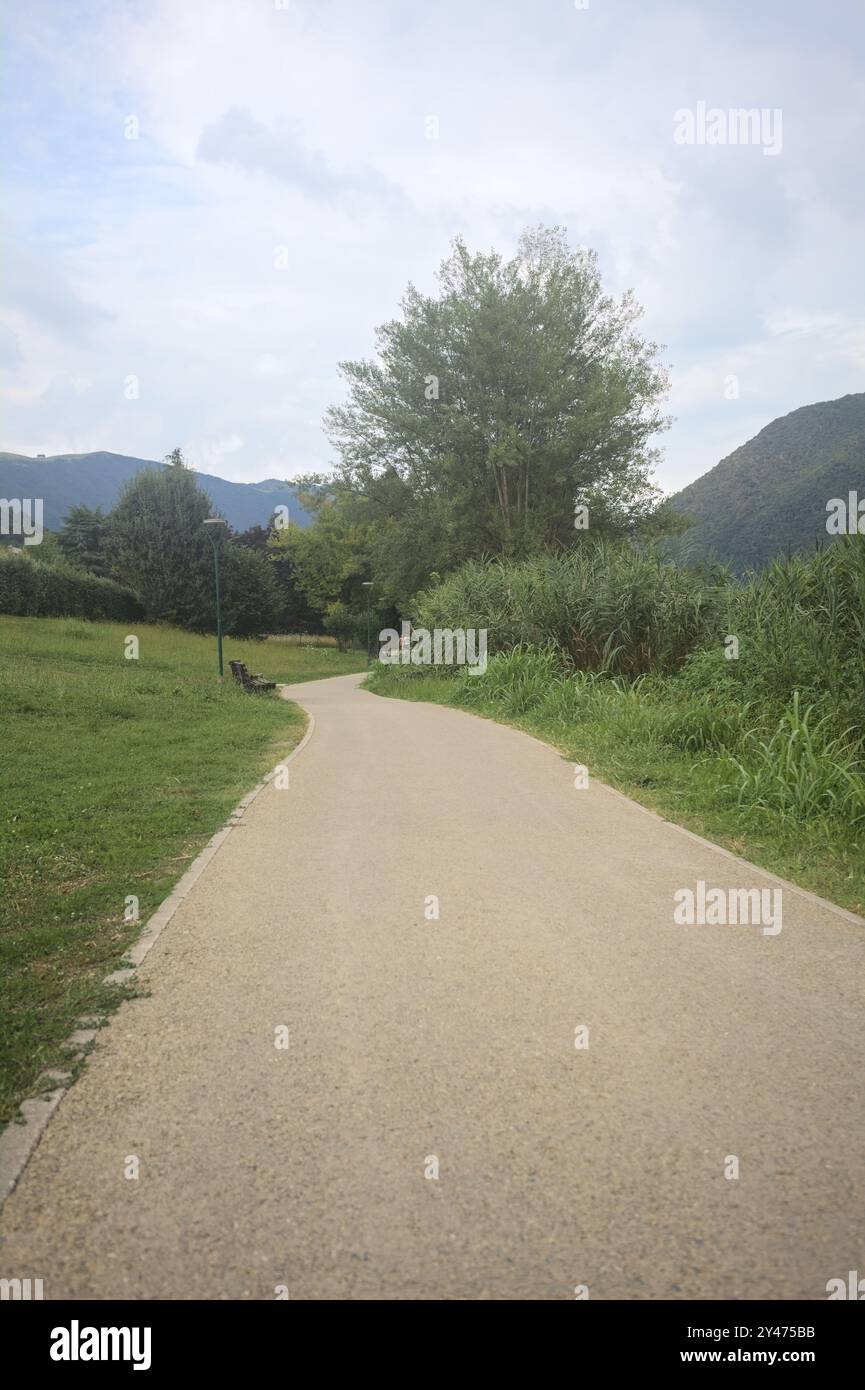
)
(417, 1043)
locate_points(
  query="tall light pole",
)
(216, 521)
(367, 584)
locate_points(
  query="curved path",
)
(418, 1043)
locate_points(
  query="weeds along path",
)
(426, 1028)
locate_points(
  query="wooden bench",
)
(249, 682)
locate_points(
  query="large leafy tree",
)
(160, 547)
(492, 409)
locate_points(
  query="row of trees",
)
(154, 541)
(516, 402)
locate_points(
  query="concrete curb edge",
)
(19, 1139)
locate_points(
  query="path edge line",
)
(21, 1136)
(825, 903)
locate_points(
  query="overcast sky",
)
(284, 189)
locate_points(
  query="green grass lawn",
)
(115, 773)
(621, 741)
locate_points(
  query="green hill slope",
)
(770, 495)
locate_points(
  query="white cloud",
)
(303, 130)
(209, 455)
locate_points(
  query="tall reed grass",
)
(608, 607)
(639, 646)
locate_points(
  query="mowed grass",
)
(115, 773)
(653, 747)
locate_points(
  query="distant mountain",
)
(96, 480)
(769, 496)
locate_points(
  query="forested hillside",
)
(769, 496)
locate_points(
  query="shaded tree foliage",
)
(160, 548)
(83, 539)
(489, 412)
(295, 612)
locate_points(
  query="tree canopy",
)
(159, 547)
(489, 412)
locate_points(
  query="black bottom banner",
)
(64, 1339)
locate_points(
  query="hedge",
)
(29, 589)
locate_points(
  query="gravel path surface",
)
(432, 910)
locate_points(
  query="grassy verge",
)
(115, 773)
(667, 752)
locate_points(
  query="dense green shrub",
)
(637, 648)
(619, 610)
(351, 628)
(800, 626)
(608, 606)
(33, 590)
(340, 622)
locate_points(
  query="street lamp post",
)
(213, 521)
(367, 584)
